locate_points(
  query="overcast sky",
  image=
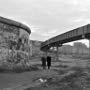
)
(47, 18)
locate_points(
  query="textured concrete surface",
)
(14, 42)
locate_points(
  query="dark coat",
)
(43, 59)
(48, 61)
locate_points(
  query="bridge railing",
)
(75, 34)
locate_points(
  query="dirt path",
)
(12, 81)
(18, 81)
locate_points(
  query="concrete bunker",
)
(14, 42)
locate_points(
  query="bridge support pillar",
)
(89, 47)
(46, 53)
(57, 53)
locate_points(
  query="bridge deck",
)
(76, 34)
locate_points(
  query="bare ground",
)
(67, 74)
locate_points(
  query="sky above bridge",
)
(47, 18)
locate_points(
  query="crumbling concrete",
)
(14, 42)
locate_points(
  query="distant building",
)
(65, 49)
(80, 48)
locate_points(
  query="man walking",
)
(43, 59)
(48, 61)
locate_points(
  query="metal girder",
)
(75, 34)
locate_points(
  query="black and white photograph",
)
(44, 44)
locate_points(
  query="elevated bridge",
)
(73, 35)
(82, 32)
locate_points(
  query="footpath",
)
(59, 77)
(23, 80)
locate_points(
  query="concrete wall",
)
(14, 46)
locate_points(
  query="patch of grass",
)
(73, 81)
(77, 69)
(34, 68)
(60, 72)
(17, 68)
(69, 82)
(62, 66)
